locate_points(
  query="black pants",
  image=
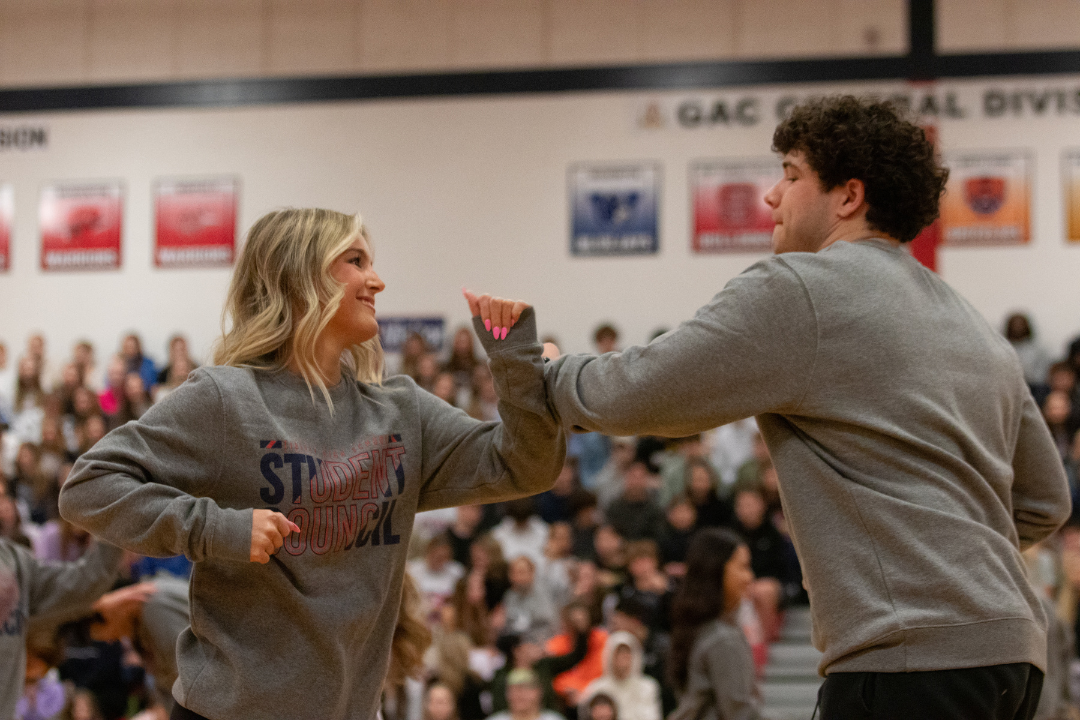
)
(181, 713)
(997, 692)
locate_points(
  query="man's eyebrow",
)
(788, 164)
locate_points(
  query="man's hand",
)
(269, 529)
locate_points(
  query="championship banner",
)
(7, 218)
(987, 200)
(614, 209)
(195, 222)
(730, 214)
(1072, 194)
(393, 331)
(80, 225)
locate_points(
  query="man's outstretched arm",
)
(750, 350)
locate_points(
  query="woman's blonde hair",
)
(282, 296)
(411, 637)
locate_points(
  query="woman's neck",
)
(327, 362)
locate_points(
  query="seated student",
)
(610, 557)
(523, 695)
(557, 565)
(634, 514)
(530, 611)
(630, 616)
(647, 583)
(486, 562)
(675, 538)
(463, 531)
(554, 505)
(585, 520)
(522, 532)
(636, 695)
(531, 656)
(608, 483)
(702, 483)
(570, 683)
(601, 707)
(47, 592)
(44, 697)
(776, 581)
(440, 703)
(436, 573)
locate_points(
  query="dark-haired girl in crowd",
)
(711, 665)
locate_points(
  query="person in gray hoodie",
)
(913, 463)
(46, 593)
(290, 474)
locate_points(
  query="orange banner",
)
(988, 199)
(1072, 194)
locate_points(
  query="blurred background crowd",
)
(558, 605)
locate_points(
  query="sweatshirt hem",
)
(948, 647)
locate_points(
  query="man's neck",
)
(856, 232)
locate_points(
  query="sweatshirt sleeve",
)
(145, 485)
(1040, 490)
(750, 350)
(59, 591)
(467, 461)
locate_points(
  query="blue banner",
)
(614, 209)
(393, 331)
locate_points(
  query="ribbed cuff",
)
(522, 334)
(232, 535)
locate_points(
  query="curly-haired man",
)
(914, 465)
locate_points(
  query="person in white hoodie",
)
(636, 695)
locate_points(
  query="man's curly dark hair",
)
(844, 137)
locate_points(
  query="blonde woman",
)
(290, 474)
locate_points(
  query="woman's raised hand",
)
(498, 314)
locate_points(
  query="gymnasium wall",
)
(474, 192)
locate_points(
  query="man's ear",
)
(852, 198)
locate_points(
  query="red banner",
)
(7, 217)
(81, 225)
(730, 214)
(196, 222)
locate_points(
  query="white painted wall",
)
(470, 192)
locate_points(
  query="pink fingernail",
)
(487, 325)
(505, 330)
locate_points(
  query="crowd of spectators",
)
(553, 606)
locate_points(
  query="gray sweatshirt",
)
(164, 616)
(308, 634)
(45, 592)
(719, 676)
(913, 463)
